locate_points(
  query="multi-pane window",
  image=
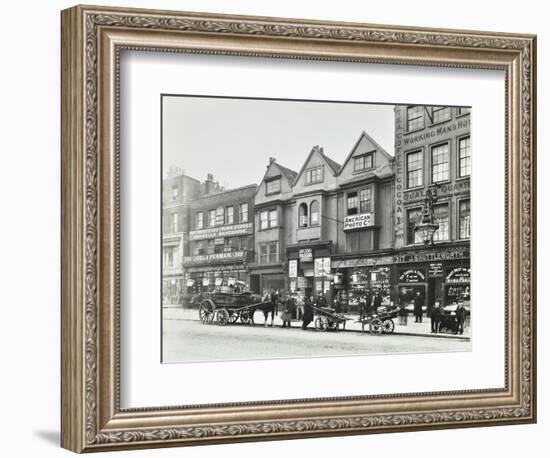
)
(464, 157)
(211, 218)
(463, 110)
(440, 163)
(441, 217)
(414, 169)
(363, 162)
(229, 215)
(273, 186)
(415, 118)
(219, 216)
(414, 215)
(440, 114)
(174, 222)
(244, 213)
(365, 200)
(314, 213)
(264, 220)
(169, 256)
(303, 215)
(200, 220)
(273, 218)
(464, 219)
(268, 253)
(175, 192)
(352, 203)
(314, 175)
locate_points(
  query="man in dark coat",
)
(460, 318)
(418, 304)
(368, 303)
(362, 307)
(308, 313)
(436, 317)
(377, 300)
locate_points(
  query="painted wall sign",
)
(221, 231)
(305, 254)
(435, 269)
(433, 255)
(412, 276)
(293, 268)
(233, 255)
(459, 275)
(358, 221)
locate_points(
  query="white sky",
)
(233, 138)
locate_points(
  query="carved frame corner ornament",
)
(92, 38)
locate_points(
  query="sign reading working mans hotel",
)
(358, 221)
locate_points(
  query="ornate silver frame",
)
(92, 38)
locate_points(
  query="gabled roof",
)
(373, 141)
(289, 174)
(332, 164)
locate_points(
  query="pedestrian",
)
(308, 313)
(436, 317)
(460, 318)
(287, 312)
(377, 301)
(368, 304)
(362, 307)
(336, 305)
(418, 305)
(403, 315)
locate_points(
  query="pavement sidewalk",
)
(177, 312)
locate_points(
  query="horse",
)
(267, 308)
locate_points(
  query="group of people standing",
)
(369, 303)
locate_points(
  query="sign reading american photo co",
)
(358, 221)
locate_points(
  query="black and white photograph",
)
(308, 228)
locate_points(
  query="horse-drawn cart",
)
(224, 308)
(327, 318)
(380, 322)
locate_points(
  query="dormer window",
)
(314, 175)
(273, 186)
(363, 162)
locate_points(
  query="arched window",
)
(302, 215)
(314, 213)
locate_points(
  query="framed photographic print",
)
(277, 228)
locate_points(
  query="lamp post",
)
(426, 229)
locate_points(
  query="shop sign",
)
(292, 285)
(219, 241)
(205, 281)
(459, 275)
(435, 269)
(218, 256)
(358, 221)
(221, 231)
(322, 267)
(293, 268)
(306, 254)
(411, 276)
(303, 282)
(433, 255)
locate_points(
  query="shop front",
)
(224, 272)
(365, 276)
(309, 271)
(440, 273)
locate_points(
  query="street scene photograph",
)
(306, 228)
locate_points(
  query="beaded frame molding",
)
(92, 40)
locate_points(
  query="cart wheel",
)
(388, 326)
(321, 323)
(233, 317)
(206, 312)
(222, 316)
(245, 317)
(375, 326)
